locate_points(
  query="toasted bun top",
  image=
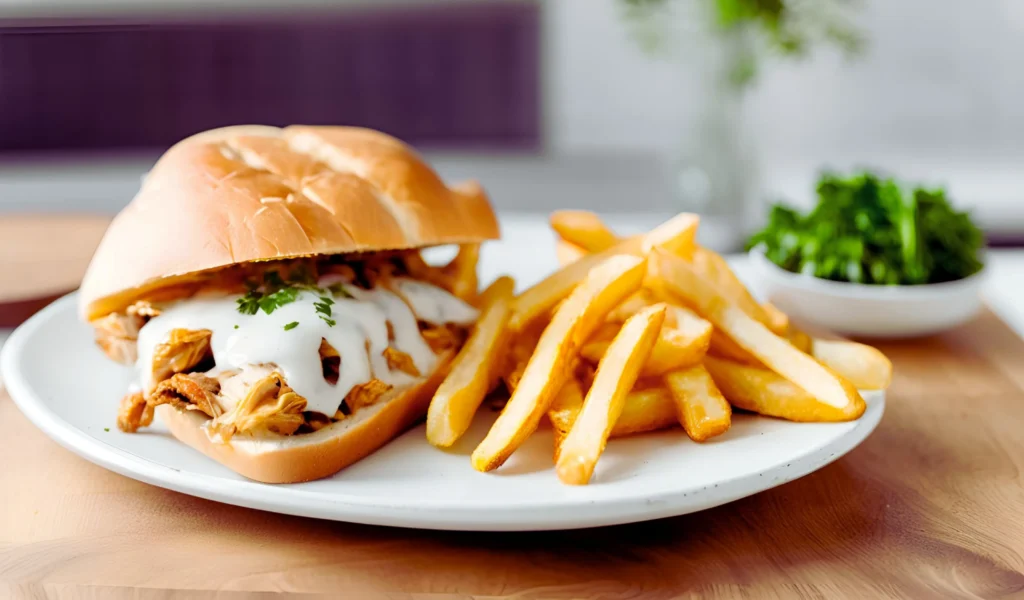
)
(249, 193)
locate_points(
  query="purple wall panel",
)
(450, 76)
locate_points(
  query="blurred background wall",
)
(549, 103)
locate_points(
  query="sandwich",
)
(267, 287)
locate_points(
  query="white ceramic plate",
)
(70, 391)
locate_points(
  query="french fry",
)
(676, 235)
(521, 349)
(647, 408)
(548, 369)
(583, 229)
(632, 305)
(778, 321)
(864, 366)
(682, 342)
(768, 393)
(680, 278)
(712, 267)
(462, 271)
(618, 371)
(800, 340)
(703, 411)
(568, 252)
(564, 410)
(474, 369)
(722, 346)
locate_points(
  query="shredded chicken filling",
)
(257, 399)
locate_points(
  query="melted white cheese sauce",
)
(240, 340)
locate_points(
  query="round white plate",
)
(71, 391)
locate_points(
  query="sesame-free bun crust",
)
(294, 458)
(248, 193)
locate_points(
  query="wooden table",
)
(931, 505)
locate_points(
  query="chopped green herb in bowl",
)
(872, 230)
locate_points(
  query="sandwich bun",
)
(254, 193)
(272, 458)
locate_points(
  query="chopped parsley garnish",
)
(272, 302)
(236, 326)
(107, 429)
(249, 303)
(291, 325)
(323, 309)
(276, 291)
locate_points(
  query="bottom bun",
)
(275, 458)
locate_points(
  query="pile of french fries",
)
(633, 335)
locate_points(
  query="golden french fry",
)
(722, 346)
(564, 410)
(520, 350)
(568, 252)
(864, 366)
(682, 342)
(768, 393)
(499, 288)
(647, 408)
(778, 321)
(473, 371)
(583, 229)
(602, 289)
(618, 371)
(714, 268)
(800, 340)
(632, 305)
(703, 411)
(462, 271)
(676, 235)
(680, 278)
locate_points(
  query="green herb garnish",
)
(323, 309)
(107, 429)
(866, 229)
(291, 325)
(236, 326)
(249, 303)
(272, 302)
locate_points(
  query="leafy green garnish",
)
(323, 309)
(868, 229)
(271, 302)
(291, 325)
(249, 303)
(236, 326)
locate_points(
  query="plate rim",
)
(563, 514)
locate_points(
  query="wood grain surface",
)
(43, 257)
(930, 506)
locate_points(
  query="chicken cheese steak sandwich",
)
(267, 286)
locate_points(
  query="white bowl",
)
(869, 310)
